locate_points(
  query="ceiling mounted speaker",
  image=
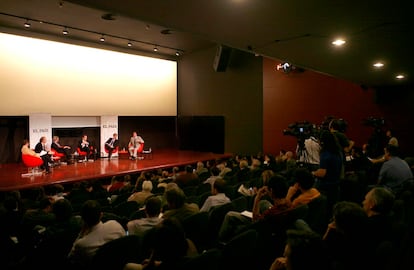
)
(221, 59)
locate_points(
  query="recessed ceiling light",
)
(400, 77)
(102, 39)
(129, 44)
(338, 42)
(27, 24)
(65, 31)
(378, 65)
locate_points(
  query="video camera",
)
(300, 130)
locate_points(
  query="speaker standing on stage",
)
(134, 144)
(111, 144)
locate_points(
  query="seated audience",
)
(94, 233)
(141, 196)
(304, 250)
(187, 178)
(218, 196)
(176, 205)
(152, 212)
(304, 186)
(395, 172)
(215, 174)
(346, 237)
(235, 221)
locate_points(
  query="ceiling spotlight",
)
(155, 49)
(129, 44)
(400, 77)
(338, 42)
(177, 53)
(27, 24)
(102, 39)
(378, 65)
(65, 31)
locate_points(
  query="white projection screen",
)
(41, 76)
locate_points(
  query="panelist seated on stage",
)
(111, 145)
(26, 150)
(62, 149)
(134, 145)
(84, 147)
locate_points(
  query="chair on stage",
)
(116, 149)
(83, 154)
(32, 163)
(144, 153)
(56, 156)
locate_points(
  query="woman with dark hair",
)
(329, 172)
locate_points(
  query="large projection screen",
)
(41, 76)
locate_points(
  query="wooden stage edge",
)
(11, 175)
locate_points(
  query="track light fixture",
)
(130, 42)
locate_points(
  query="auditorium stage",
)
(11, 174)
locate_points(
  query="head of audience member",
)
(153, 206)
(147, 186)
(266, 175)
(219, 186)
(91, 213)
(304, 178)
(45, 204)
(189, 169)
(200, 165)
(304, 250)
(350, 219)
(62, 209)
(168, 242)
(378, 201)
(215, 171)
(174, 196)
(243, 164)
(255, 164)
(390, 151)
(278, 187)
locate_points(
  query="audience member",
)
(218, 196)
(177, 207)
(187, 178)
(152, 217)
(304, 250)
(234, 221)
(200, 168)
(304, 186)
(309, 153)
(346, 237)
(141, 196)
(94, 233)
(395, 172)
(215, 174)
(392, 140)
(168, 245)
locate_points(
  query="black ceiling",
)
(299, 32)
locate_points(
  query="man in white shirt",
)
(152, 211)
(93, 235)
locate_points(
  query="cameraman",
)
(309, 153)
(337, 128)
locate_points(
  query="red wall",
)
(311, 96)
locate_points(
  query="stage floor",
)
(11, 174)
